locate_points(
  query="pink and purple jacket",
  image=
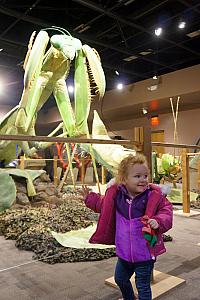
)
(122, 219)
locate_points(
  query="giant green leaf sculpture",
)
(78, 238)
(7, 191)
(8, 187)
(30, 175)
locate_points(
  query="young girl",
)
(133, 216)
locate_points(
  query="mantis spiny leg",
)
(94, 164)
(67, 170)
(70, 164)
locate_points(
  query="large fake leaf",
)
(109, 155)
(176, 196)
(169, 161)
(30, 175)
(98, 158)
(7, 191)
(78, 238)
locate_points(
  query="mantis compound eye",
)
(66, 44)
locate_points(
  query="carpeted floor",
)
(24, 279)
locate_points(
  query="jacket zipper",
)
(129, 212)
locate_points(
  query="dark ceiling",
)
(122, 32)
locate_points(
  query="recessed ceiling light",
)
(70, 89)
(120, 86)
(158, 31)
(181, 25)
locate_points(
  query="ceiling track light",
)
(152, 88)
(144, 111)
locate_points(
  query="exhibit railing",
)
(130, 144)
(185, 156)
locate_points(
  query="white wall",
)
(187, 127)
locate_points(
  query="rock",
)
(41, 196)
(22, 199)
(42, 186)
(20, 187)
(44, 177)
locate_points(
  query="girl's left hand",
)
(153, 223)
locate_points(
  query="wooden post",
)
(185, 181)
(82, 170)
(103, 175)
(22, 163)
(55, 170)
(143, 136)
(147, 147)
(138, 136)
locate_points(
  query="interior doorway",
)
(158, 136)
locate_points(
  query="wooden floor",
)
(162, 283)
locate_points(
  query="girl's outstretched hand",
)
(85, 191)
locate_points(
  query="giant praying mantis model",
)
(45, 73)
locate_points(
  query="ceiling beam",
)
(193, 7)
(81, 36)
(117, 17)
(19, 18)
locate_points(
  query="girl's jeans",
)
(123, 272)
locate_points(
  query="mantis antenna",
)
(62, 30)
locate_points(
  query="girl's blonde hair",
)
(128, 161)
